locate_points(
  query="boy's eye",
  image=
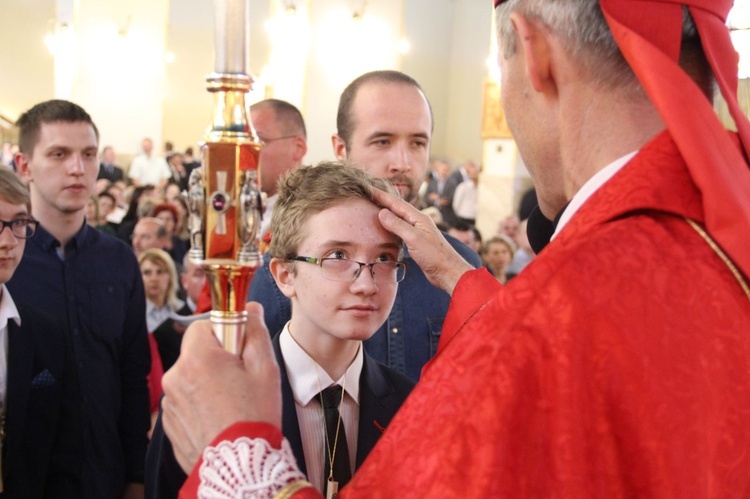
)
(337, 254)
(385, 257)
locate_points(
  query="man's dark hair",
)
(344, 120)
(289, 117)
(462, 226)
(30, 123)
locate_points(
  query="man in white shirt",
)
(465, 196)
(147, 169)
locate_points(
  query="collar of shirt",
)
(589, 188)
(156, 315)
(304, 373)
(8, 312)
(8, 309)
(47, 241)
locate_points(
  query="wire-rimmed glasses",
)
(345, 270)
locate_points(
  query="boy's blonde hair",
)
(12, 188)
(308, 190)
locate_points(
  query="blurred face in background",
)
(155, 282)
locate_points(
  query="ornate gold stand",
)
(223, 195)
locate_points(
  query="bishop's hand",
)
(442, 265)
(209, 389)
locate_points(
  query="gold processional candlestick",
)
(223, 196)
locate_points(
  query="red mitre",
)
(649, 33)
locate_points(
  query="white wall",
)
(26, 66)
(132, 96)
(121, 76)
(342, 49)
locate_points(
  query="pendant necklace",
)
(332, 486)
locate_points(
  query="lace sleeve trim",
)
(246, 468)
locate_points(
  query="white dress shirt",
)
(149, 170)
(307, 379)
(8, 312)
(465, 200)
(589, 188)
(156, 315)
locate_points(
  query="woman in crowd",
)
(161, 285)
(168, 213)
(94, 216)
(497, 255)
(165, 335)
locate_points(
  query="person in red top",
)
(618, 363)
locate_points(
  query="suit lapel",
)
(377, 406)
(289, 422)
(20, 367)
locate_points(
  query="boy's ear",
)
(282, 274)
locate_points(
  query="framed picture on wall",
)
(494, 125)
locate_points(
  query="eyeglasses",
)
(22, 228)
(264, 142)
(345, 270)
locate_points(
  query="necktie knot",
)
(331, 397)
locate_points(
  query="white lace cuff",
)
(246, 468)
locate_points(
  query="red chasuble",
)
(616, 365)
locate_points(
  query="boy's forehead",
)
(9, 209)
(333, 224)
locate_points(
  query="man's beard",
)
(405, 186)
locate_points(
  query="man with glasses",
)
(39, 433)
(93, 281)
(340, 269)
(281, 131)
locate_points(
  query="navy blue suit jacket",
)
(382, 391)
(43, 445)
(117, 173)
